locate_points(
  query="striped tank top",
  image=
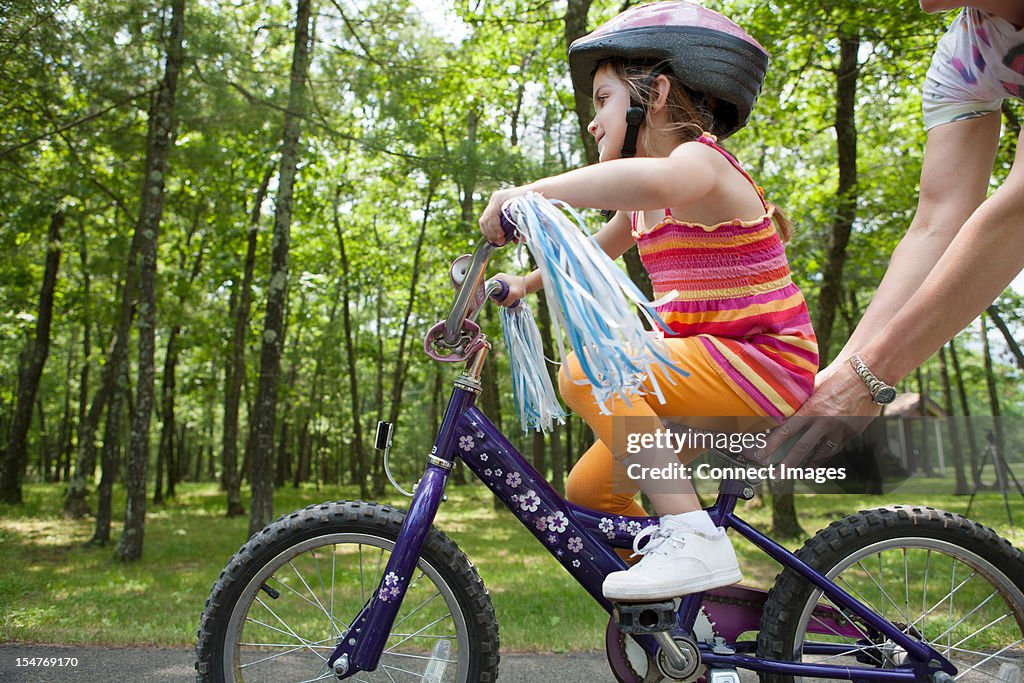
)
(733, 290)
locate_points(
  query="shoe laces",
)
(657, 535)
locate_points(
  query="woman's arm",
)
(1011, 10)
(946, 201)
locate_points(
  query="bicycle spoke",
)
(418, 608)
(302, 597)
(292, 648)
(832, 628)
(853, 650)
(322, 677)
(290, 631)
(323, 590)
(438, 620)
(906, 583)
(990, 657)
(967, 616)
(883, 594)
(924, 592)
(988, 625)
(399, 669)
(313, 595)
(362, 587)
(942, 600)
(949, 635)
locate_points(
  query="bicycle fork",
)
(361, 645)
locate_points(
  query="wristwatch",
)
(881, 393)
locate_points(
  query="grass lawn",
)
(53, 589)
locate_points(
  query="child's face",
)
(611, 99)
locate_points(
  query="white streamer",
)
(593, 301)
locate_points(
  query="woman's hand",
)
(490, 219)
(516, 288)
(839, 409)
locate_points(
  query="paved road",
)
(144, 665)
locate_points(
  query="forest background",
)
(227, 225)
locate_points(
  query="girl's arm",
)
(683, 177)
(614, 239)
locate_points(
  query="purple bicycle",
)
(360, 591)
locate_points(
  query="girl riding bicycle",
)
(668, 81)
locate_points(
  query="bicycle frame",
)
(583, 541)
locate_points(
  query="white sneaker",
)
(677, 560)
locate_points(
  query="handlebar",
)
(459, 332)
(472, 280)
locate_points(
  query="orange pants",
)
(703, 394)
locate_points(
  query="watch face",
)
(885, 395)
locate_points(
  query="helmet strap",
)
(635, 116)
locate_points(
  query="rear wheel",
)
(279, 609)
(939, 577)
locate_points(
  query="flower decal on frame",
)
(466, 443)
(575, 544)
(529, 502)
(514, 479)
(392, 587)
(558, 522)
(607, 526)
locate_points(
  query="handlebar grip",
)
(502, 293)
(508, 226)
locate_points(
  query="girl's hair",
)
(690, 113)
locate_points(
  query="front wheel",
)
(278, 610)
(939, 577)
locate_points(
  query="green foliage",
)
(55, 590)
(393, 97)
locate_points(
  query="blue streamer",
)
(594, 302)
(535, 397)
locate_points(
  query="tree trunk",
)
(359, 459)
(398, 379)
(165, 455)
(236, 362)
(922, 411)
(1011, 343)
(954, 430)
(846, 194)
(262, 478)
(111, 444)
(75, 503)
(30, 371)
(784, 520)
(161, 136)
(972, 441)
(62, 447)
(575, 27)
(999, 441)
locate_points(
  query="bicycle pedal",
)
(646, 617)
(723, 676)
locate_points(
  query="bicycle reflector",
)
(382, 441)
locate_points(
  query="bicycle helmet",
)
(704, 50)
